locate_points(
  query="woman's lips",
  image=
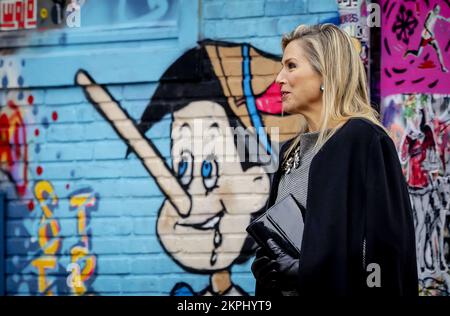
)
(284, 94)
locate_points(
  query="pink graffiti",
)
(270, 100)
(414, 55)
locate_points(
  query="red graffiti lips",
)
(270, 100)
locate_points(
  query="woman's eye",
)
(209, 174)
(291, 65)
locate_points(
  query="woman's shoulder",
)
(357, 131)
(358, 135)
(362, 129)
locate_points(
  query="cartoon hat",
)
(247, 76)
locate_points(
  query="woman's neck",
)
(314, 124)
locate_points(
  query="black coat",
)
(357, 198)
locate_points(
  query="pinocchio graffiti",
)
(209, 202)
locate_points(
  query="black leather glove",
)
(286, 266)
(263, 268)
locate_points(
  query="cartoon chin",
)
(196, 249)
(201, 245)
(190, 252)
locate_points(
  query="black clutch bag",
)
(283, 222)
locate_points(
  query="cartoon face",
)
(224, 196)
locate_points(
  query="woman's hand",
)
(275, 270)
(263, 268)
(286, 266)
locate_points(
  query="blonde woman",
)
(343, 168)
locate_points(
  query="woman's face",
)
(300, 83)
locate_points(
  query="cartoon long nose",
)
(143, 147)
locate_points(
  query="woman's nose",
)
(280, 78)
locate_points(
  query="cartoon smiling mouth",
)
(210, 223)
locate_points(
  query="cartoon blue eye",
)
(184, 167)
(206, 169)
(209, 173)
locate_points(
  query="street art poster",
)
(415, 109)
(415, 55)
(353, 20)
(420, 127)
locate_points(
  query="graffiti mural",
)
(82, 258)
(55, 264)
(48, 236)
(14, 106)
(201, 225)
(172, 216)
(353, 20)
(353, 15)
(420, 126)
(13, 146)
(415, 108)
(416, 43)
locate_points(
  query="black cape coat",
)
(357, 198)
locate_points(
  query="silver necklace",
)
(293, 162)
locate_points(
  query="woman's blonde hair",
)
(332, 54)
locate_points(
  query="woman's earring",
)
(322, 88)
